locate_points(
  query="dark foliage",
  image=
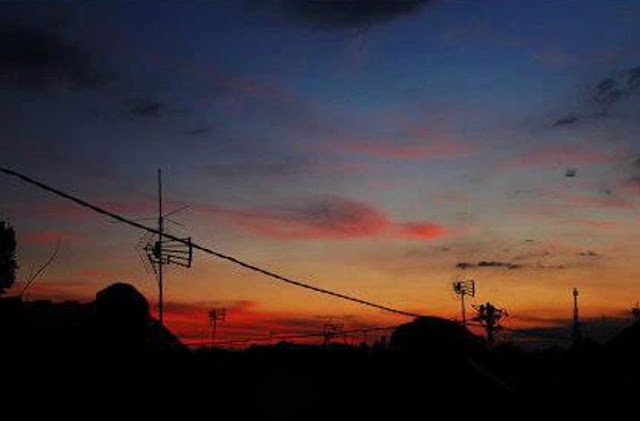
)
(8, 265)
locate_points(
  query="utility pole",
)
(463, 288)
(330, 330)
(635, 312)
(575, 327)
(489, 316)
(216, 315)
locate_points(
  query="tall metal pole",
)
(159, 247)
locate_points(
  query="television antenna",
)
(162, 251)
(464, 288)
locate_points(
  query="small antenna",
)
(464, 288)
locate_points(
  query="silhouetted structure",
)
(8, 263)
(464, 288)
(576, 334)
(216, 315)
(165, 251)
(489, 317)
(331, 330)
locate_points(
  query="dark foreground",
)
(109, 357)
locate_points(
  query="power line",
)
(292, 336)
(203, 249)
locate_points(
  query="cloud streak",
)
(326, 218)
(343, 14)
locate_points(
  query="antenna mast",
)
(463, 288)
(166, 250)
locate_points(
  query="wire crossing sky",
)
(203, 249)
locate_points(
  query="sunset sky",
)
(379, 150)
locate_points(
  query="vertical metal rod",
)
(464, 316)
(160, 263)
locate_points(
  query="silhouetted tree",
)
(8, 263)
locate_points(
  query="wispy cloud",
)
(326, 218)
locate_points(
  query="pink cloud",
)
(328, 218)
(420, 231)
(559, 156)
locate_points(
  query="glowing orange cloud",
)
(424, 231)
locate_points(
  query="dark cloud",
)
(565, 121)
(341, 14)
(39, 59)
(588, 253)
(605, 93)
(532, 255)
(147, 107)
(506, 265)
(632, 177)
(488, 264)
